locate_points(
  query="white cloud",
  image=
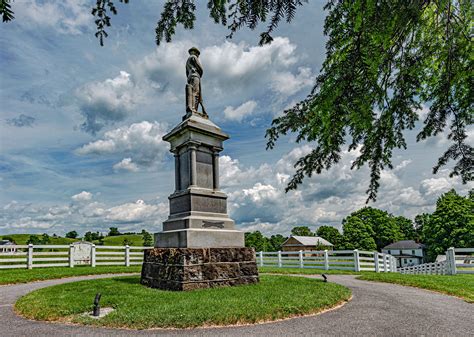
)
(83, 196)
(127, 165)
(260, 193)
(110, 101)
(288, 84)
(242, 111)
(140, 143)
(137, 212)
(232, 72)
(66, 16)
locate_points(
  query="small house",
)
(407, 252)
(6, 246)
(297, 243)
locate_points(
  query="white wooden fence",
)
(353, 260)
(460, 263)
(37, 256)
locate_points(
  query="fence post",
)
(384, 259)
(29, 259)
(71, 257)
(326, 260)
(301, 259)
(356, 260)
(279, 258)
(376, 261)
(127, 256)
(451, 259)
(260, 256)
(93, 255)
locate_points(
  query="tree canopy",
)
(451, 224)
(385, 62)
(331, 234)
(302, 231)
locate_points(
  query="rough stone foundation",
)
(195, 268)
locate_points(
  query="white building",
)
(407, 252)
(5, 246)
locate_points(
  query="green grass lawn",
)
(139, 307)
(456, 285)
(12, 276)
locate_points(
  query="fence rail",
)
(352, 260)
(40, 256)
(458, 261)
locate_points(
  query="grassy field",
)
(21, 239)
(12, 276)
(140, 307)
(456, 285)
(135, 239)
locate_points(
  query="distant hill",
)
(21, 239)
(134, 239)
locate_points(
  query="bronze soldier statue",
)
(193, 87)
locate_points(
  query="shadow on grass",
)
(127, 279)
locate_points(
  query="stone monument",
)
(199, 246)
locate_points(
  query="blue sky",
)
(81, 125)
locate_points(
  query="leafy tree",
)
(34, 239)
(45, 239)
(257, 241)
(92, 236)
(127, 241)
(451, 224)
(384, 227)
(420, 221)
(71, 234)
(302, 231)
(113, 231)
(358, 234)
(385, 60)
(275, 242)
(331, 234)
(147, 238)
(407, 229)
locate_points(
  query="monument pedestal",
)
(195, 268)
(199, 246)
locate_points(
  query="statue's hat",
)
(195, 50)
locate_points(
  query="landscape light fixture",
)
(96, 311)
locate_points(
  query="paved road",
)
(377, 309)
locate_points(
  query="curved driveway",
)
(376, 309)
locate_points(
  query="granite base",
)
(184, 269)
